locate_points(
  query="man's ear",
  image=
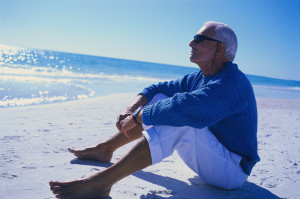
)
(220, 48)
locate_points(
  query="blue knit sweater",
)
(225, 103)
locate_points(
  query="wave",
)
(277, 87)
(31, 101)
(20, 72)
(43, 74)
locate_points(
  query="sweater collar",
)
(226, 66)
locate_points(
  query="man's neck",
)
(214, 68)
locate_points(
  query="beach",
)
(34, 141)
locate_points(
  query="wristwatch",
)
(135, 114)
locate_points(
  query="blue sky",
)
(159, 31)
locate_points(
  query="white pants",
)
(199, 149)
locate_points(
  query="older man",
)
(209, 117)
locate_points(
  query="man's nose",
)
(192, 43)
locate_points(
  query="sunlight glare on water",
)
(33, 76)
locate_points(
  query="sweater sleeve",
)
(200, 108)
(169, 88)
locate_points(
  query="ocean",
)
(34, 76)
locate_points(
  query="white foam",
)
(54, 72)
(278, 87)
(33, 79)
(80, 97)
(31, 101)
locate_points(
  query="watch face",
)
(135, 115)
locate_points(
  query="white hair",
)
(224, 34)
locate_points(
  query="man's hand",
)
(124, 120)
(121, 117)
(127, 124)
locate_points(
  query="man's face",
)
(203, 52)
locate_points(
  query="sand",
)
(34, 142)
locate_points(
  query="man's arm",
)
(139, 101)
(199, 108)
(125, 121)
(169, 88)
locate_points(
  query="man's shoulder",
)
(233, 73)
(237, 80)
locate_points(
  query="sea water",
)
(34, 76)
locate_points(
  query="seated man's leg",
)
(104, 151)
(215, 164)
(200, 150)
(99, 185)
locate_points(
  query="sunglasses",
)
(200, 38)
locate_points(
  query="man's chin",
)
(192, 59)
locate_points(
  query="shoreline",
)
(259, 96)
(34, 140)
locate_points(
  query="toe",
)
(71, 150)
(54, 183)
(59, 184)
(56, 189)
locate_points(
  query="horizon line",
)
(120, 58)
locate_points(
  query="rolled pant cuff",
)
(154, 145)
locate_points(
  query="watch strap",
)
(135, 115)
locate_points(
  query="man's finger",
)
(126, 133)
(118, 125)
(129, 124)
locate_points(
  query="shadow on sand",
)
(176, 189)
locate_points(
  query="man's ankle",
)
(106, 147)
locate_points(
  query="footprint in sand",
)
(11, 138)
(9, 176)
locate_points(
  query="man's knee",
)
(158, 97)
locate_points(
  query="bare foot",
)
(81, 189)
(99, 153)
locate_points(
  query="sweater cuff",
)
(147, 115)
(149, 95)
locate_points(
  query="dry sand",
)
(34, 139)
